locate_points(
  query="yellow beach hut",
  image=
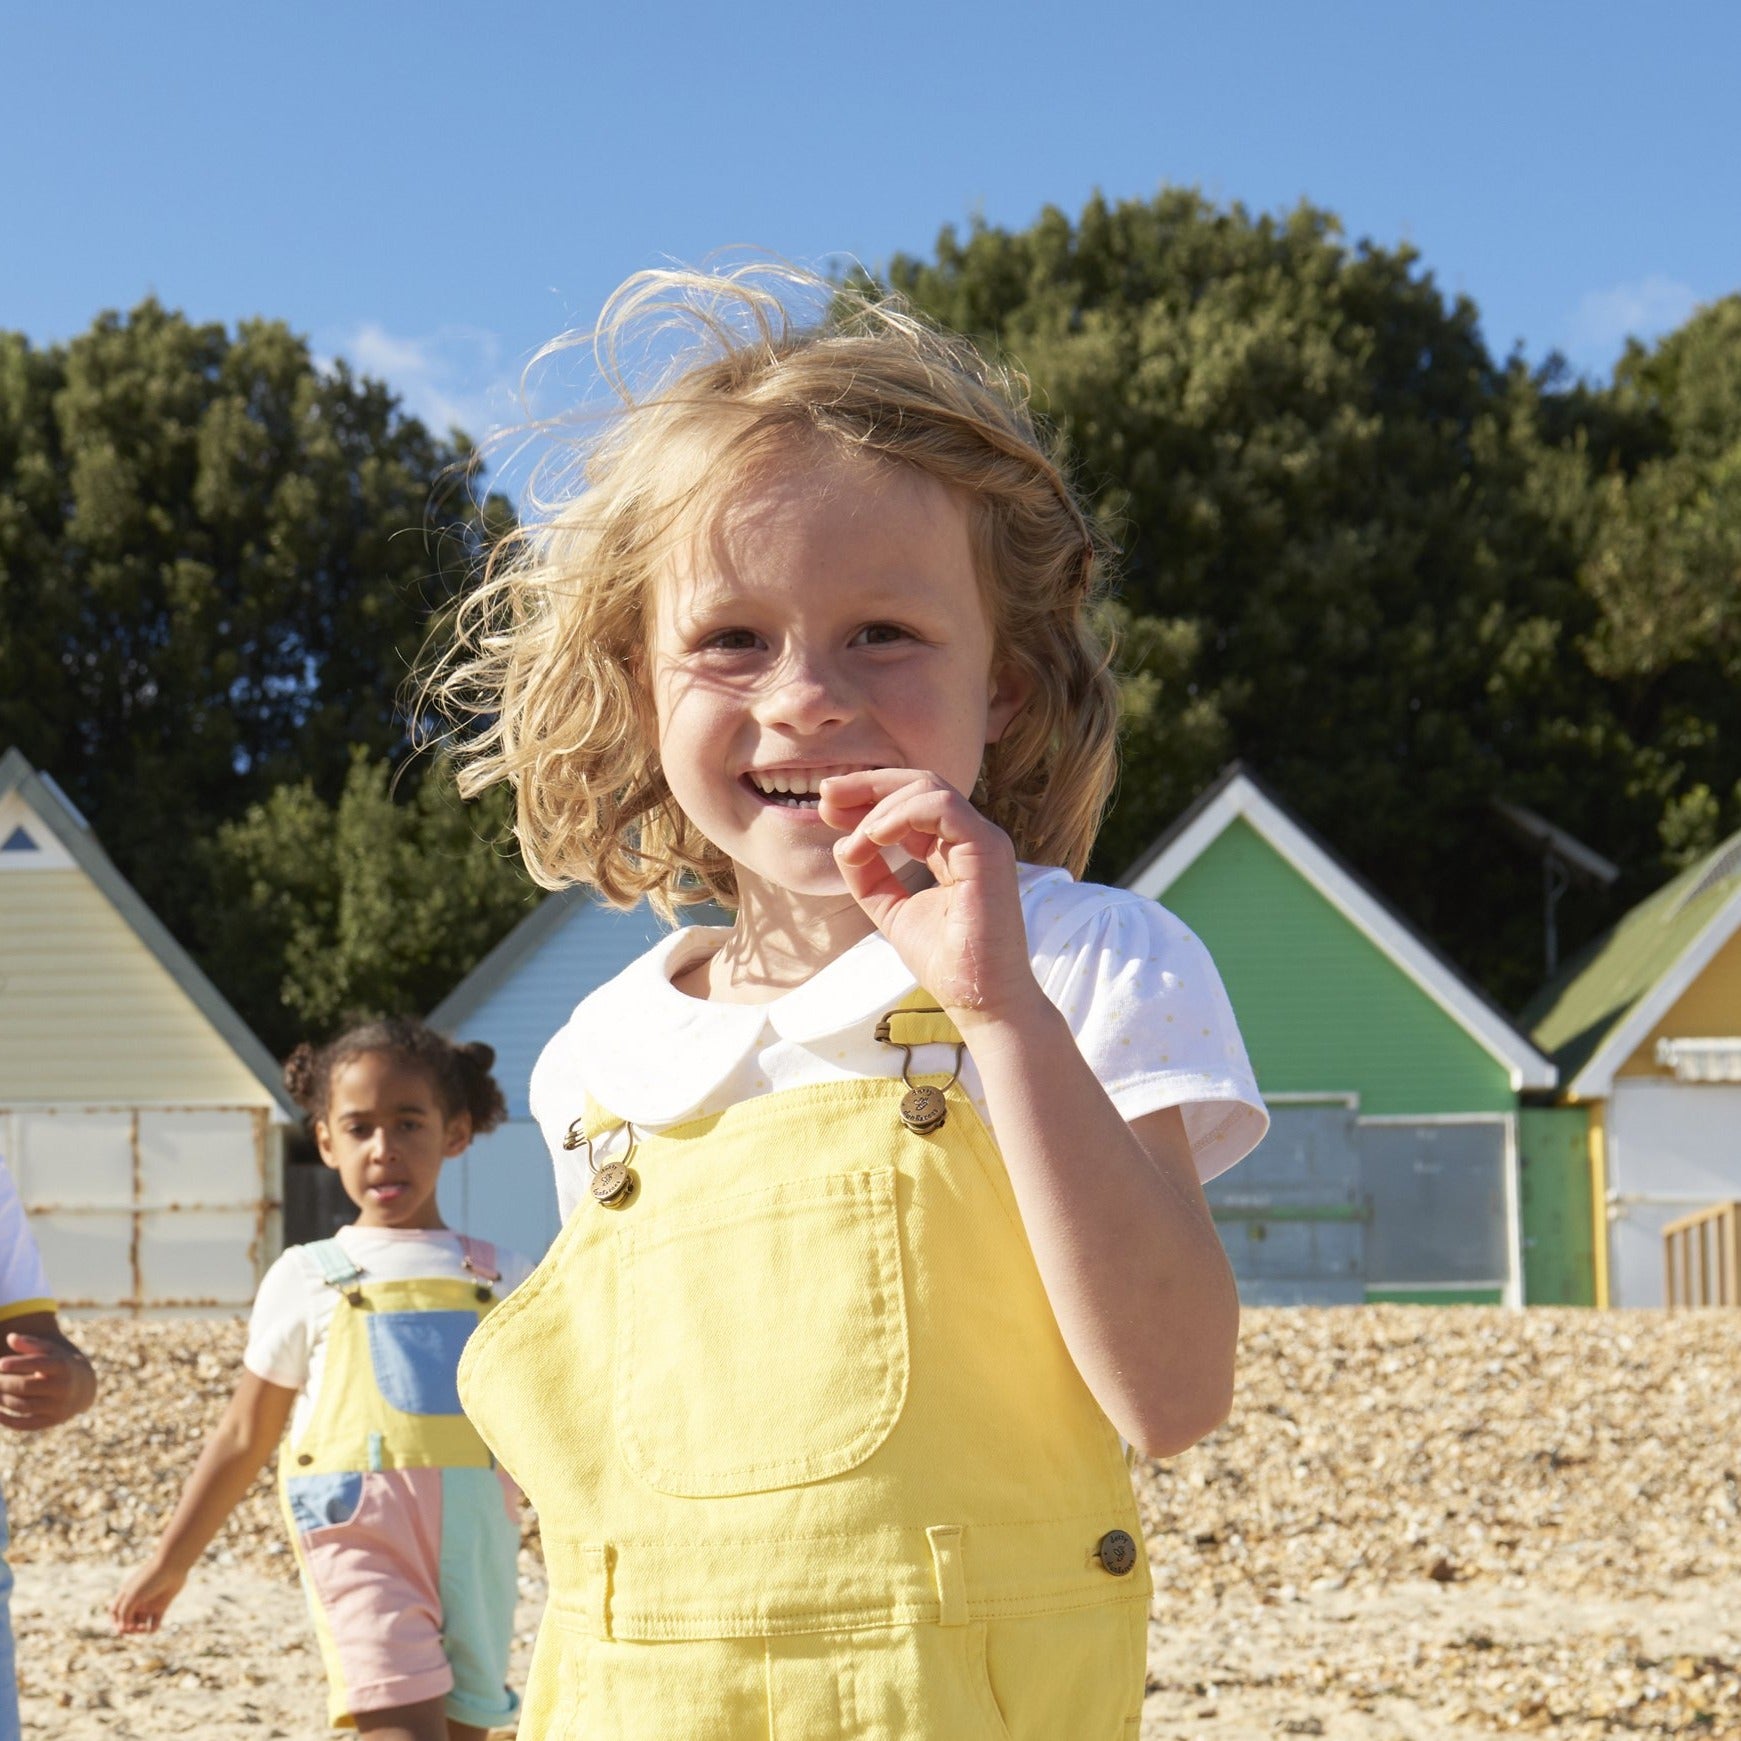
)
(1645, 1027)
(141, 1119)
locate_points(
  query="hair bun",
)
(476, 1053)
(302, 1076)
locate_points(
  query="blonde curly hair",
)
(545, 673)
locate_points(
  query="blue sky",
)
(434, 190)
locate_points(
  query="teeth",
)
(804, 782)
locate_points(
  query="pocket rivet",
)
(923, 1109)
(1116, 1552)
(613, 1185)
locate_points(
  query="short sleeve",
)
(1151, 1017)
(278, 1345)
(23, 1285)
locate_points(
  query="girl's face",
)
(829, 621)
(386, 1136)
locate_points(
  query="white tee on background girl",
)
(1135, 986)
(294, 1307)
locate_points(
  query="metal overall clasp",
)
(613, 1183)
(924, 1106)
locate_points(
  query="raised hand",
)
(962, 936)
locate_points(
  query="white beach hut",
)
(142, 1120)
(502, 1188)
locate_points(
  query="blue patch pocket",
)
(319, 1501)
(416, 1358)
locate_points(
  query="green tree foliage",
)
(217, 563)
(365, 906)
(1664, 565)
(1358, 552)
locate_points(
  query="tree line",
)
(1398, 576)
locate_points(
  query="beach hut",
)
(142, 1121)
(1396, 1161)
(1645, 1027)
(502, 1188)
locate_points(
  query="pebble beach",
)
(1417, 1523)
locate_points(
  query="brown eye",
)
(732, 641)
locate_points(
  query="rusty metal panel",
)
(204, 1159)
(149, 1209)
(76, 1157)
(88, 1254)
(197, 1256)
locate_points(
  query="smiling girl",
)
(405, 1531)
(884, 1214)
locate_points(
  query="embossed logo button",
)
(613, 1185)
(1117, 1552)
(923, 1109)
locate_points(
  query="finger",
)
(24, 1344)
(913, 820)
(38, 1364)
(846, 798)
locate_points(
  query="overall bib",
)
(406, 1532)
(809, 1455)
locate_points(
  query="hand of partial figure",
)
(39, 1383)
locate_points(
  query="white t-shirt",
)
(294, 1307)
(23, 1286)
(1136, 987)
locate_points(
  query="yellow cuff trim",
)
(23, 1308)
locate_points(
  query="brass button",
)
(1117, 1552)
(613, 1185)
(923, 1109)
(305, 1459)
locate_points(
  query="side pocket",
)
(555, 1703)
(979, 1668)
(321, 1501)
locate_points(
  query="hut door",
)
(144, 1208)
(1673, 1147)
(1292, 1215)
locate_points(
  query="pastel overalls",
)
(406, 1531)
(809, 1455)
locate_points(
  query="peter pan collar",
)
(652, 1054)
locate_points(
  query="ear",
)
(1010, 689)
(456, 1135)
(323, 1142)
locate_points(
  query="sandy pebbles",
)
(1418, 1523)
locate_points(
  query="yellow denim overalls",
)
(809, 1455)
(406, 1532)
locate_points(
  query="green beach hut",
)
(1396, 1163)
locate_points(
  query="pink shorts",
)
(412, 1576)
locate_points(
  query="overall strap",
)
(336, 1268)
(480, 1258)
(592, 1122)
(917, 1021)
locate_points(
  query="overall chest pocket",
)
(762, 1337)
